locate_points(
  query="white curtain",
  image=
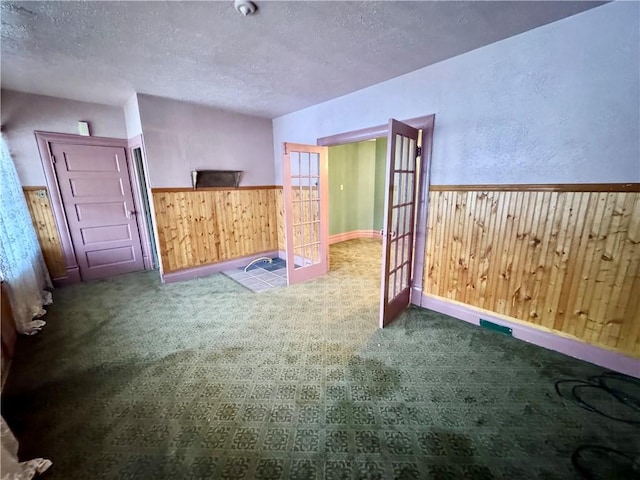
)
(21, 262)
(10, 467)
(24, 270)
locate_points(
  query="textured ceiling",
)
(288, 56)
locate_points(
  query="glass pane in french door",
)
(307, 200)
(401, 214)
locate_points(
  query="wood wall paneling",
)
(304, 213)
(46, 230)
(568, 261)
(282, 244)
(195, 227)
(198, 227)
(564, 260)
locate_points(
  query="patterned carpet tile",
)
(132, 379)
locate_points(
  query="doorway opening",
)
(385, 176)
(356, 189)
(405, 199)
(356, 208)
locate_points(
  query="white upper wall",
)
(180, 137)
(22, 113)
(558, 104)
(132, 117)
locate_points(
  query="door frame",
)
(43, 140)
(426, 124)
(147, 246)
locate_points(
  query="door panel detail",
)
(96, 193)
(110, 233)
(99, 211)
(101, 258)
(92, 187)
(76, 161)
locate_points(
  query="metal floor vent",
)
(496, 327)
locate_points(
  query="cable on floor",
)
(595, 462)
(602, 383)
(588, 461)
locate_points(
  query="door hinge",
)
(419, 152)
(53, 159)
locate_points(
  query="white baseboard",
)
(352, 235)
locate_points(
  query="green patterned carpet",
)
(203, 379)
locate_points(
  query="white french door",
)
(398, 229)
(305, 173)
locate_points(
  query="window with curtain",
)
(22, 266)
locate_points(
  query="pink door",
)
(305, 188)
(399, 205)
(98, 203)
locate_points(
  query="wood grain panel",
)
(282, 243)
(568, 261)
(298, 215)
(198, 227)
(46, 229)
(305, 209)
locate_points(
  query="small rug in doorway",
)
(261, 276)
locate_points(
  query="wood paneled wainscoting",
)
(46, 230)
(282, 243)
(204, 226)
(195, 227)
(562, 257)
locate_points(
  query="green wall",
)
(359, 168)
(380, 181)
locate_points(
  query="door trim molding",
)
(136, 187)
(421, 123)
(43, 139)
(422, 211)
(55, 197)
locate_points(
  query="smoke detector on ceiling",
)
(245, 7)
